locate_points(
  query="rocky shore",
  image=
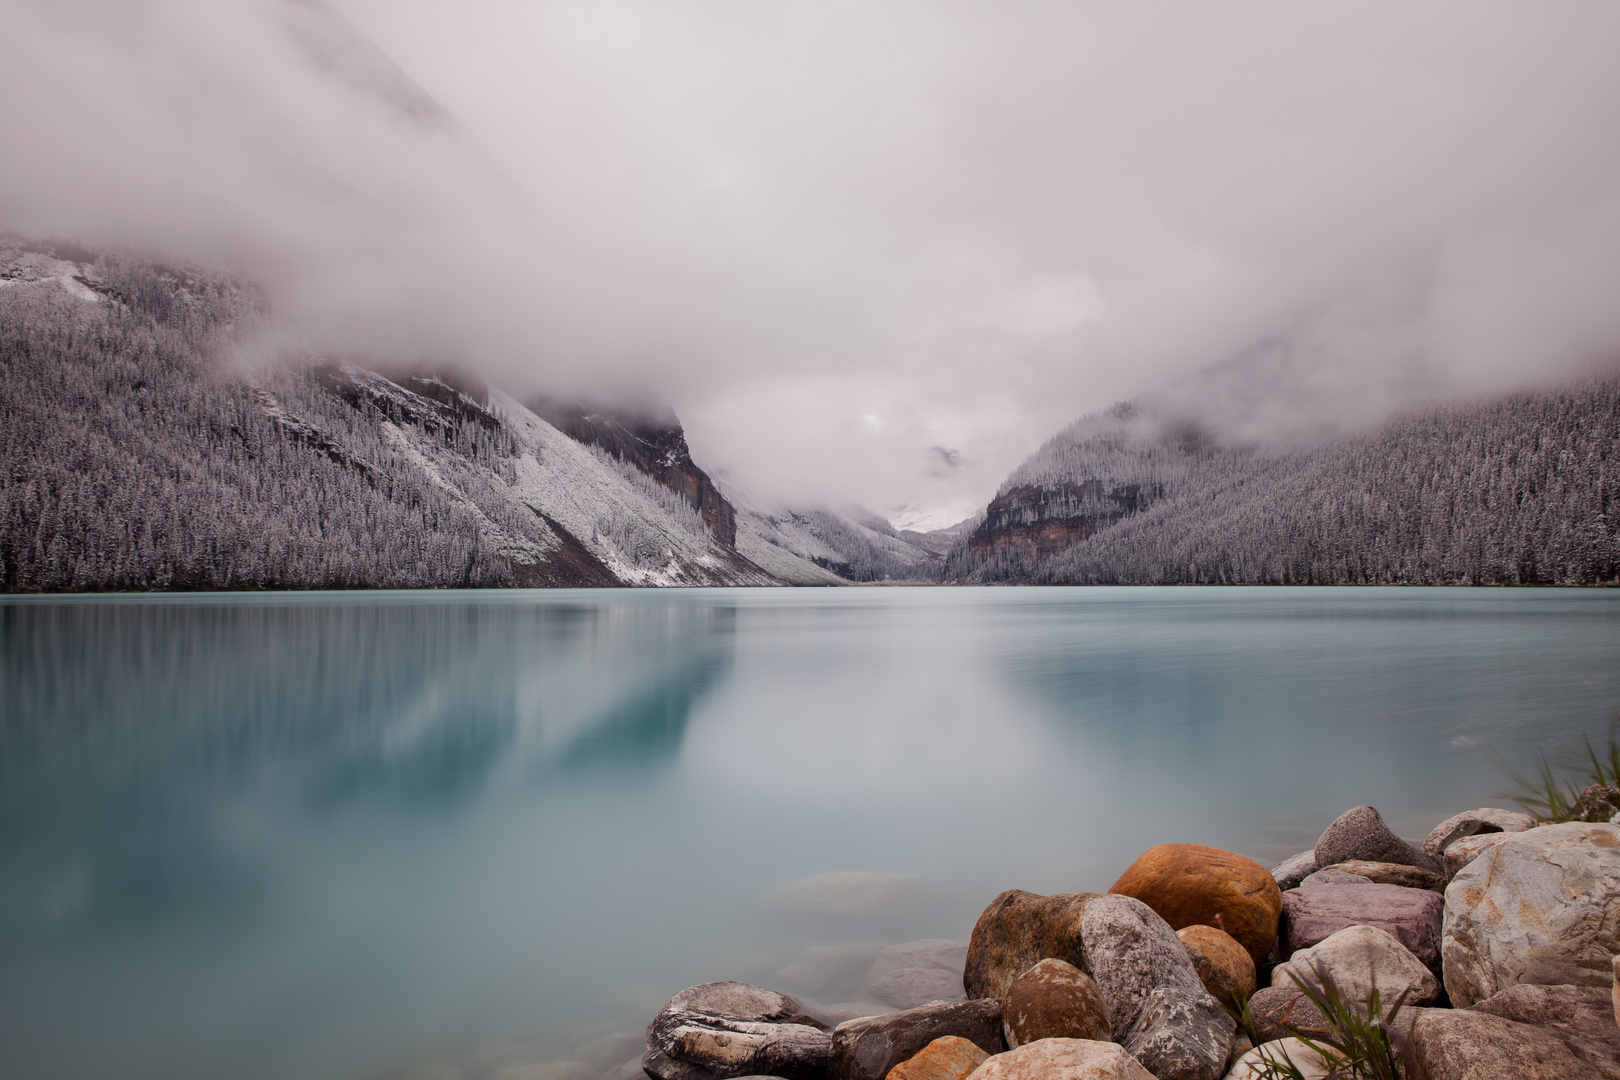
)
(1488, 950)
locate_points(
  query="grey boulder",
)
(731, 1029)
(1527, 1033)
(1294, 869)
(1473, 823)
(1360, 833)
(1361, 959)
(866, 1049)
(1412, 916)
(1181, 1035)
(1130, 951)
(1334, 877)
(1541, 907)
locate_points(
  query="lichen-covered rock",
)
(1181, 1034)
(1413, 916)
(1278, 1012)
(1459, 853)
(1063, 1059)
(1190, 884)
(1294, 869)
(1615, 993)
(1129, 950)
(1542, 906)
(1599, 802)
(1526, 1032)
(1360, 959)
(1334, 877)
(1360, 833)
(1381, 873)
(1223, 966)
(1258, 1063)
(1017, 931)
(721, 1030)
(1054, 1000)
(946, 1058)
(1473, 823)
(867, 1048)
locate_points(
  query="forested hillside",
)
(1519, 490)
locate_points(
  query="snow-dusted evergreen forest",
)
(1523, 489)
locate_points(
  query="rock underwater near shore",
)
(1491, 950)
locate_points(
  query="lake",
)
(331, 836)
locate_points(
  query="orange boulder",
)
(1190, 884)
(1224, 967)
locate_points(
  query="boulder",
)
(1361, 834)
(1459, 853)
(1539, 907)
(1599, 802)
(1053, 1000)
(907, 988)
(1334, 877)
(1472, 823)
(731, 1029)
(1130, 951)
(1190, 884)
(1223, 966)
(1278, 1012)
(1181, 1034)
(1255, 1064)
(1294, 869)
(1383, 873)
(1528, 1032)
(1615, 993)
(1359, 959)
(1017, 931)
(942, 954)
(1063, 1059)
(1413, 916)
(866, 1049)
(946, 1058)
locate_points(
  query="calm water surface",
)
(319, 837)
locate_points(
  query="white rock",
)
(1462, 852)
(1253, 1065)
(1483, 821)
(1063, 1059)
(1538, 907)
(1360, 958)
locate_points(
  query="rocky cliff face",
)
(652, 441)
(1037, 522)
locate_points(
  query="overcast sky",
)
(874, 251)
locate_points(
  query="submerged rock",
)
(1054, 1000)
(1191, 884)
(1223, 966)
(868, 1048)
(1539, 907)
(1413, 916)
(908, 988)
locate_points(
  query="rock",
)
(1063, 1059)
(1181, 1035)
(1597, 803)
(1223, 966)
(1334, 877)
(1017, 931)
(1358, 959)
(1291, 871)
(610, 1049)
(1459, 853)
(829, 972)
(1130, 951)
(1472, 823)
(907, 988)
(940, 953)
(1413, 916)
(485, 1061)
(551, 1070)
(866, 1049)
(1526, 1032)
(1240, 1046)
(1278, 1012)
(946, 1058)
(1361, 834)
(1053, 1000)
(732, 1029)
(1254, 1065)
(1538, 907)
(1615, 993)
(1190, 884)
(1383, 873)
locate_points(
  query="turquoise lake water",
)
(327, 836)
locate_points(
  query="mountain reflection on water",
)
(315, 835)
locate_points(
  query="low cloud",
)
(839, 237)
